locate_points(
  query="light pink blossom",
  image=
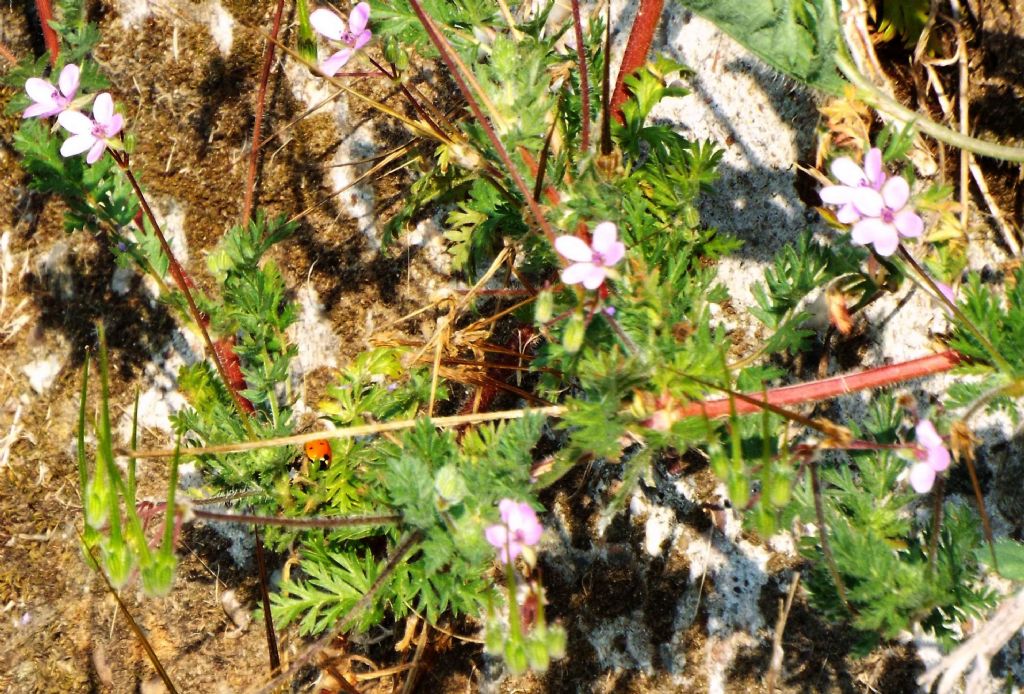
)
(50, 100)
(886, 215)
(355, 36)
(92, 134)
(591, 263)
(855, 181)
(932, 456)
(519, 528)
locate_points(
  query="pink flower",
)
(932, 454)
(519, 528)
(885, 216)
(855, 180)
(50, 100)
(354, 37)
(590, 263)
(91, 134)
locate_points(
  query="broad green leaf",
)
(796, 37)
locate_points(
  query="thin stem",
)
(461, 74)
(362, 430)
(581, 61)
(306, 656)
(308, 523)
(179, 279)
(261, 95)
(875, 97)
(997, 358)
(268, 618)
(417, 106)
(826, 549)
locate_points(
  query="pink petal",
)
(115, 125)
(605, 234)
(938, 458)
(594, 277)
(328, 24)
(926, 434)
(837, 195)
(359, 18)
(873, 167)
(578, 272)
(896, 192)
(39, 90)
(96, 152)
(922, 477)
(41, 110)
(873, 230)
(583, 272)
(574, 248)
(69, 80)
(77, 123)
(946, 290)
(867, 201)
(846, 171)
(848, 214)
(76, 144)
(362, 39)
(337, 61)
(496, 535)
(103, 109)
(908, 223)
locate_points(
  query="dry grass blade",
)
(12, 319)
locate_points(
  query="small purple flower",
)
(355, 36)
(92, 134)
(932, 455)
(50, 100)
(854, 180)
(519, 528)
(590, 263)
(946, 291)
(885, 216)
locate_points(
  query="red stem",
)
(639, 43)
(45, 12)
(581, 60)
(828, 387)
(183, 283)
(254, 153)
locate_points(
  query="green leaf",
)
(796, 37)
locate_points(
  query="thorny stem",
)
(826, 549)
(45, 12)
(875, 97)
(454, 64)
(261, 95)
(179, 279)
(997, 358)
(581, 60)
(637, 46)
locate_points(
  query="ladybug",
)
(319, 451)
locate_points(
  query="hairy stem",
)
(875, 97)
(261, 96)
(637, 46)
(179, 278)
(45, 12)
(581, 60)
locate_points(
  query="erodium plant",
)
(592, 250)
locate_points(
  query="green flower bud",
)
(575, 330)
(537, 654)
(515, 657)
(739, 490)
(544, 307)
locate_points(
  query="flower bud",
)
(575, 330)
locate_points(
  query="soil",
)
(190, 105)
